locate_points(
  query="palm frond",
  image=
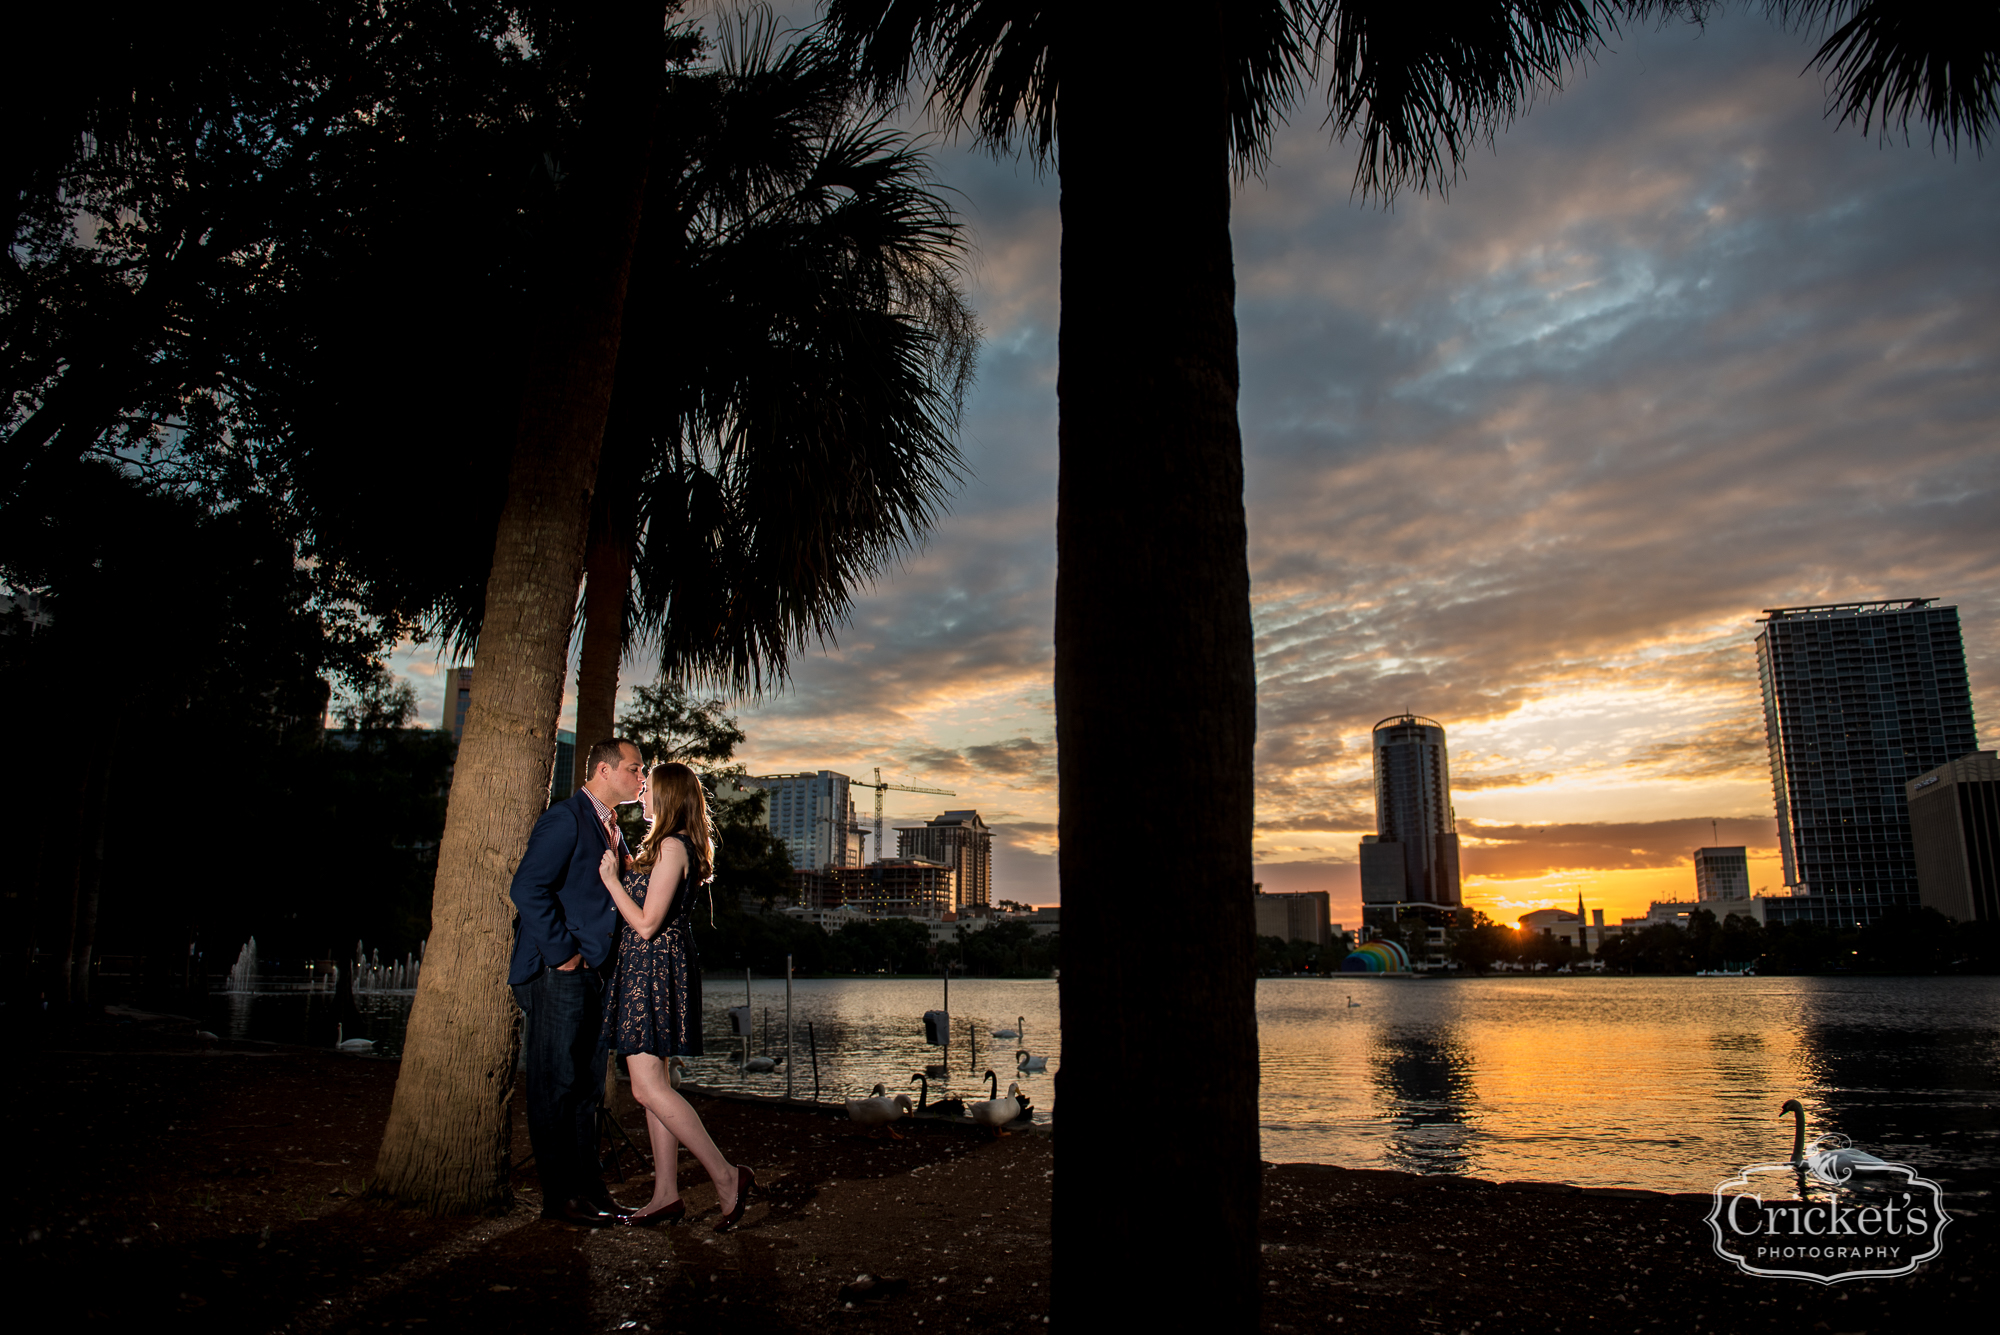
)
(803, 374)
(1889, 61)
(996, 66)
(1421, 85)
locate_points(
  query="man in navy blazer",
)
(564, 950)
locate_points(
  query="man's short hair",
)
(610, 753)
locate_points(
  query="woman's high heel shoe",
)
(670, 1213)
(746, 1178)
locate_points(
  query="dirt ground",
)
(216, 1188)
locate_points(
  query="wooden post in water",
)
(788, 1026)
(815, 1052)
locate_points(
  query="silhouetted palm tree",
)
(1145, 114)
(445, 1145)
(795, 354)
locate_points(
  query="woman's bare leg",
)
(680, 1121)
(666, 1165)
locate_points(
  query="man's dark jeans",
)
(565, 1061)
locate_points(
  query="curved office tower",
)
(1412, 859)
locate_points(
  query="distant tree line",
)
(740, 938)
(1276, 955)
(1904, 940)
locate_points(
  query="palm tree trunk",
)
(446, 1146)
(1154, 677)
(607, 564)
(84, 853)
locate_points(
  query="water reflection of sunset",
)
(1664, 1083)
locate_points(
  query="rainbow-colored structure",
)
(1376, 957)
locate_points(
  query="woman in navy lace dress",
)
(652, 1010)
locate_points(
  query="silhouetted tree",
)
(669, 724)
(445, 1145)
(795, 355)
(1479, 943)
(1154, 670)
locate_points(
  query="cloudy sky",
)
(1528, 460)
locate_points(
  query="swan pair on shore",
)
(997, 1112)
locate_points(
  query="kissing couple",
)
(604, 956)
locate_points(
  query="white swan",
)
(1351, 1001)
(1830, 1158)
(676, 1070)
(880, 1111)
(1029, 1065)
(997, 1112)
(761, 1065)
(1021, 1021)
(345, 1044)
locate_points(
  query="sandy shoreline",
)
(157, 1178)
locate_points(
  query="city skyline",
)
(1529, 460)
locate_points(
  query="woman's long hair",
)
(679, 807)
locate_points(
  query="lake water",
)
(1667, 1083)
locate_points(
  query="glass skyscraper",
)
(1858, 699)
(814, 815)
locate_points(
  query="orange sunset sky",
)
(1527, 460)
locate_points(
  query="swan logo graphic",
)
(1826, 1221)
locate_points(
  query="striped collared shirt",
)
(604, 814)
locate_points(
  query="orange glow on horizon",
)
(1621, 894)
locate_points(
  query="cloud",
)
(1515, 852)
(1736, 750)
(1461, 783)
(1528, 460)
(1016, 760)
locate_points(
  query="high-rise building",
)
(1304, 915)
(814, 815)
(457, 699)
(565, 781)
(1955, 826)
(1411, 862)
(1721, 874)
(961, 841)
(1859, 698)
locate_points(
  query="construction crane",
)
(881, 788)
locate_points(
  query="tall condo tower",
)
(1859, 698)
(961, 841)
(1412, 859)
